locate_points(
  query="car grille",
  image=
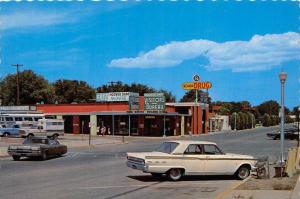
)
(136, 160)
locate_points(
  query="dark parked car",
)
(291, 134)
(42, 147)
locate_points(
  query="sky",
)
(240, 47)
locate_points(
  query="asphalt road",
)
(101, 173)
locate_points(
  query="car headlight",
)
(12, 147)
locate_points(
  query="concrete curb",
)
(3, 152)
(296, 191)
(230, 189)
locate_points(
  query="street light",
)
(282, 78)
(298, 119)
(234, 121)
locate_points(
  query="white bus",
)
(29, 119)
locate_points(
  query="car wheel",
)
(175, 174)
(243, 172)
(16, 157)
(30, 135)
(5, 134)
(44, 155)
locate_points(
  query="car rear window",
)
(167, 147)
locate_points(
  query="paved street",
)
(101, 173)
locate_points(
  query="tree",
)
(235, 121)
(288, 119)
(190, 96)
(223, 110)
(33, 88)
(136, 88)
(295, 111)
(68, 91)
(243, 121)
(270, 107)
(266, 120)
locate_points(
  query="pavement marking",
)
(147, 185)
(115, 186)
(229, 189)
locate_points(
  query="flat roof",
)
(185, 104)
(119, 113)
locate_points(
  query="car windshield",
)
(35, 141)
(167, 147)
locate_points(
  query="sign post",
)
(196, 78)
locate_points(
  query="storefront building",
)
(125, 113)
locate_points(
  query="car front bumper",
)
(24, 153)
(138, 166)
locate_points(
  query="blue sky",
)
(239, 46)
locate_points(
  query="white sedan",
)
(178, 158)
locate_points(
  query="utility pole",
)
(18, 86)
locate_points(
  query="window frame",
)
(194, 153)
(217, 150)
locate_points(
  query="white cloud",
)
(259, 53)
(34, 18)
(42, 16)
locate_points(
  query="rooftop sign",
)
(196, 85)
(130, 97)
(17, 108)
(154, 101)
(115, 96)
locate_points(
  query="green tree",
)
(266, 120)
(68, 91)
(235, 119)
(223, 110)
(288, 119)
(33, 89)
(135, 87)
(273, 120)
(270, 107)
(244, 120)
(249, 120)
(190, 96)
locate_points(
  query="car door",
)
(58, 148)
(194, 159)
(15, 130)
(217, 163)
(52, 147)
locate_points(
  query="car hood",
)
(26, 146)
(143, 155)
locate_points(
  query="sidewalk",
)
(235, 193)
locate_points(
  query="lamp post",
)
(282, 78)
(298, 118)
(235, 121)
